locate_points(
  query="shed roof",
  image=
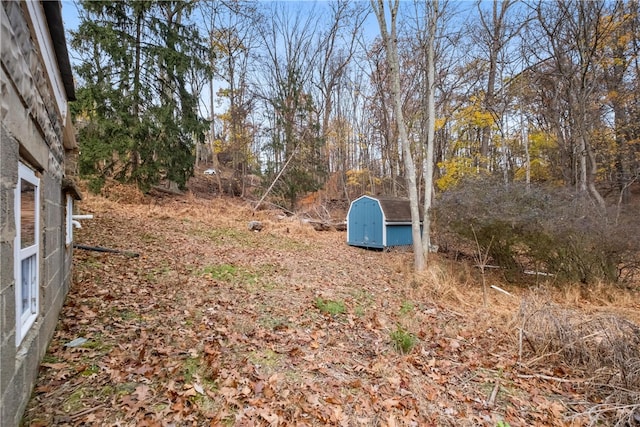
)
(395, 209)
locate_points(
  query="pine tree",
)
(136, 108)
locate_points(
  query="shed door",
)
(372, 223)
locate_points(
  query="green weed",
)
(403, 341)
(406, 308)
(73, 403)
(222, 272)
(90, 370)
(148, 238)
(190, 369)
(273, 322)
(266, 358)
(329, 306)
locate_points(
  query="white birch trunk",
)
(427, 168)
(391, 48)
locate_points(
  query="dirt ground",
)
(203, 322)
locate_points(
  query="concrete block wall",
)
(32, 135)
(8, 178)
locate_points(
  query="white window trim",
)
(69, 214)
(26, 320)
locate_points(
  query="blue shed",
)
(379, 222)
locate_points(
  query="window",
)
(27, 248)
(69, 215)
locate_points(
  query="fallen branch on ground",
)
(109, 250)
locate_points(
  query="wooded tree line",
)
(538, 92)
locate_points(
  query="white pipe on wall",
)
(82, 216)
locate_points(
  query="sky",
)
(70, 15)
(70, 12)
(72, 21)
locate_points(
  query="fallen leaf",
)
(142, 392)
(268, 392)
(197, 387)
(314, 399)
(57, 366)
(189, 392)
(272, 419)
(390, 403)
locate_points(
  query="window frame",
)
(26, 319)
(69, 220)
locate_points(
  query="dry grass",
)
(603, 350)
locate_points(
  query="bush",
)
(95, 183)
(543, 228)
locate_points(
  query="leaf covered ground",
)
(213, 324)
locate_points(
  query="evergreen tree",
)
(136, 109)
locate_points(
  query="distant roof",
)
(395, 209)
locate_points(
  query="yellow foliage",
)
(356, 177)
(453, 171)
(539, 171)
(224, 92)
(218, 146)
(474, 115)
(624, 39)
(540, 142)
(481, 119)
(338, 132)
(83, 116)
(225, 117)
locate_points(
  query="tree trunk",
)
(212, 134)
(427, 168)
(391, 47)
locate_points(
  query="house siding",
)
(31, 131)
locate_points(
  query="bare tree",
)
(496, 32)
(381, 107)
(289, 38)
(390, 39)
(617, 71)
(575, 32)
(432, 11)
(235, 41)
(336, 49)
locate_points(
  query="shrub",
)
(547, 228)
